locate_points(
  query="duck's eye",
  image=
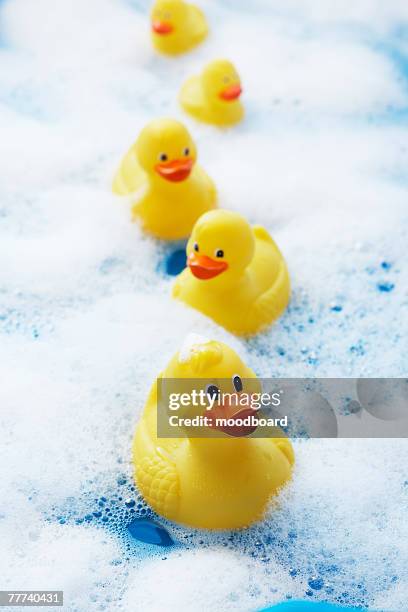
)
(219, 253)
(237, 382)
(212, 391)
(163, 157)
(196, 248)
(186, 151)
(226, 79)
(167, 15)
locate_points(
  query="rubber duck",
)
(235, 273)
(214, 95)
(177, 26)
(210, 483)
(174, 189)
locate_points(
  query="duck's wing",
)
(191, 95)
(130, 177)
(198, 23)
(176, 290)
(213, 191)
(156, 472)
(272, 302)
(180, 282)
(208, 184)
(158, 479)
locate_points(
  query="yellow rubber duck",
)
(210, 483)
(236, 274)
(177, 26)
(174, 189)
(213, 96)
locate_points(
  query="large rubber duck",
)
(211, 483)
(177, 26)
(236, 274)
(214, 95)
(171, 189)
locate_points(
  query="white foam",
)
(59, 558)
(205, 580)
(191, 342)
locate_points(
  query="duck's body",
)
(222, 483)
(251, 297)
(213, 96)
(171, 190)
(184, 202)
(177, 26)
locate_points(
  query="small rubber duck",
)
(210, 483)
(214, 95)
(235, 273)
(174, 189)
(177, 26)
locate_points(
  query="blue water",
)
(150, 532)
(305, 606)
(176, 262)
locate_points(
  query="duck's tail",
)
(285, 446)
(262, 234)
(130, 176)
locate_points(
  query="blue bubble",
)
(149, 532)
(385, 287)
(176, 262)
(316, 583)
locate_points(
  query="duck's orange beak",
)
(204, 267)
(176, 170)
(232, 414)
(230, 93)
(162, 27)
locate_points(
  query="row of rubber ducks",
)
(212, 96)
(235, 274)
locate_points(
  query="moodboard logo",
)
(273, 407)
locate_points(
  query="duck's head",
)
(166, 150)
(201, 357)
(168, 16)
(221, 81)
(221, 246)
(216, 369)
